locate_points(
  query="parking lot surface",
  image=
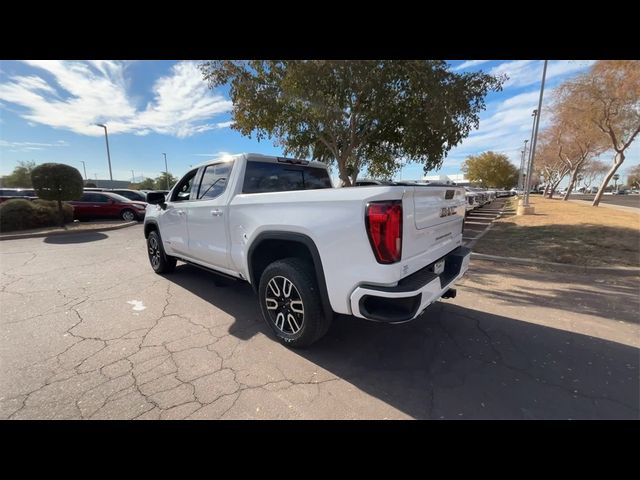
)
(89, 331)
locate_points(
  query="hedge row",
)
(20, 214)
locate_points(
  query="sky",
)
(48, 112)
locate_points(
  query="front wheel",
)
(290, 303)
(160, 261)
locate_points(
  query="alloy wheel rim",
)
(154, 252)
(128, 215)
(284, 304)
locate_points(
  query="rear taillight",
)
(384, 227)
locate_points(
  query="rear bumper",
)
(412, 294)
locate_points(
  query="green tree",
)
(161, 183)
(146, 184)
(20, 177)
(58, 182)
(490, 169)
(357, 114)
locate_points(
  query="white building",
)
(458, 178)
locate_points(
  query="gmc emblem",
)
(446, 211)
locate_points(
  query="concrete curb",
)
(528, 261)
(19, 236)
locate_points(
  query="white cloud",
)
(180, 102)
(503, 128)
(84, 93)
(507, 123)
(527, 72)
(30, 146)
(470, 63)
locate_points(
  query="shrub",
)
(59, 182)
(20, 214)
(67, 209)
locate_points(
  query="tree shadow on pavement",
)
(66, 239)
(604, 295)
(458, 363)
(579, 245)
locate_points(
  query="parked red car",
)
(107, 205)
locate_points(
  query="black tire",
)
(128, 215)
(160, 261)
(313, 323)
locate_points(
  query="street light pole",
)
(527, 209)
(106, 138)
(166, 170)
(527, 165)
(84, 167)
(524, 153)
(133, 177)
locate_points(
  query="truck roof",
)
(262, 158)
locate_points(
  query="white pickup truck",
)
(309, 250)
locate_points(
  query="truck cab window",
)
(214, 180)
(182, 191)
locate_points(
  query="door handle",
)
(180, 212)
(216, 212)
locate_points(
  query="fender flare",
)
(315, 256)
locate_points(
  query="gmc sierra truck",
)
(383, 253)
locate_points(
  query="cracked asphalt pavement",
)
(88, 331)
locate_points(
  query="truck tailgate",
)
(436, 226)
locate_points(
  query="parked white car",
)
(382, 253)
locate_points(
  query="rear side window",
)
(89, 197)
(214, 181)
(127, 194)
(261, 177)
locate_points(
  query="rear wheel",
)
(160, 261)
(128, 215)
(290, 303)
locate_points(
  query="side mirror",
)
(156, 198)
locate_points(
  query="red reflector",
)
(384, 227)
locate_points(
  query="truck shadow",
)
(456, 362)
